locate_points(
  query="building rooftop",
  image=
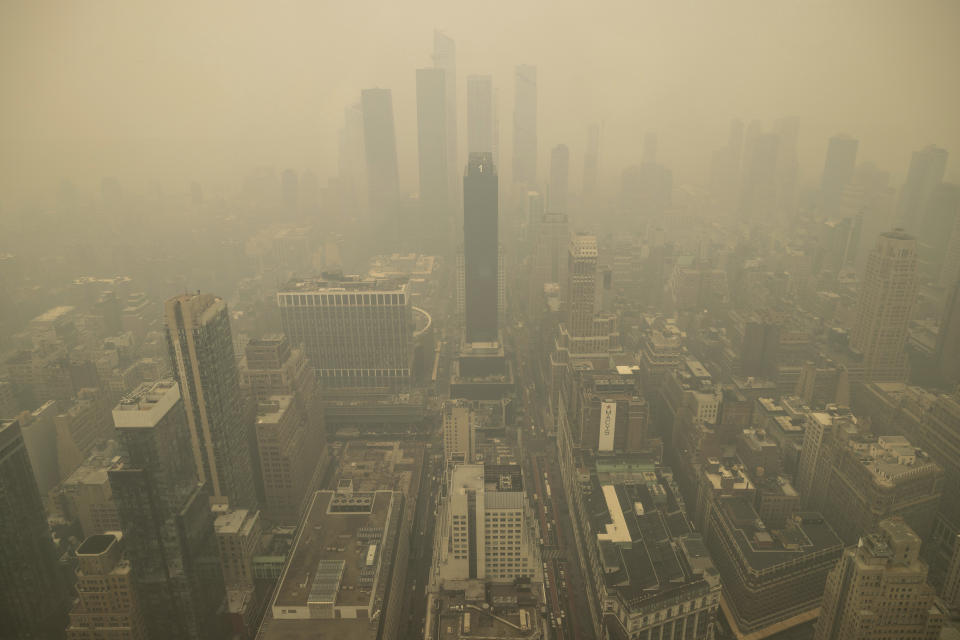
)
(271, 411)
(93, 470)
(336, 283)
(97, 544)
(804, 535)
(234, 521)
(393, 465)
(53, 315)
(892, 459)
(146, 405)
(503, 611)
(337, 557)
(645, 541)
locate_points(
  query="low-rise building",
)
(485, 527)
(772, 578)
(343, 578)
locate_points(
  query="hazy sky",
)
(161, 91)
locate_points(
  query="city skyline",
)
(554, 324)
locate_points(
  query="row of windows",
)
(315, 299)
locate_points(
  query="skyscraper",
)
(879, 590)
(432, 146)
(445, 58)
(549, 263)
(106, 604)
(887, 295)
(525, 125)
(479, 114)
(927, 167)
(559, 179)
(480, 248)
(581, 284)
(201, 350)
(32, 602)
(838, 168)
(356, 333)
(380, 149)
(166, 518)
(289, 453)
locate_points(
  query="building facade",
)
(32, 596)
(887, 295)
(201, 350)
(165, 515)
(485, 526)
(356, 333)
(106, 605)
(481, 249)
(879, 590)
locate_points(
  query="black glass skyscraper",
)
(165, 514)
(480, 245)
(32, 602)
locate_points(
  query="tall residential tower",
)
(201, 350)
(887, 296)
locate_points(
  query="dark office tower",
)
(559, 179)
(788, 166)
(432, 145)
(290, 190)
(525, 125)
(927, 167)
(445, 58)
(479, 114)
(879, 590)
(758, 193)
(480, 248)
(887, 295)
(380, 149)
(948, 340)
(166, 519)
(591, 163)
(32, 598)
(201, 350)
(838, 169)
